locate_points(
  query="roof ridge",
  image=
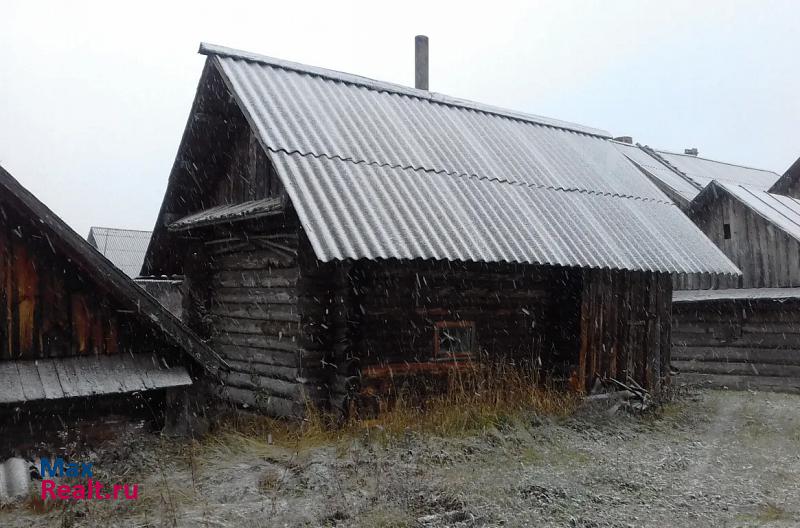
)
(715, 161)
(655, 154)
(464, 175)
(384, 86)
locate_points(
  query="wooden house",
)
(75, 332)
(337, 233)
(736, 332)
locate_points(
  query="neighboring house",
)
(735, 332)
(337, 234)
(125, 248)
(683, 176)
(75, 330)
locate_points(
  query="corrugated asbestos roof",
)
(125, 248)
(229, 213)
(69, 377)
(365, 211)
(380, 171)
(704, 171)
(659, 171)
(779, 294)
(781, 211)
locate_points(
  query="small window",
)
(726, 231)
(454, 339)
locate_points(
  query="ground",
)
(709, 459)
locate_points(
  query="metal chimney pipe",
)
(421, 62)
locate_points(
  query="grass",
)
(482, 398)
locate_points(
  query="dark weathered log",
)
(292, 374)
(268, 403)
(262, 312)
(764, 383)
(256, 295)
(261, 278)
(296, 358)
(257, 341)
(738, 368)
(737, 354)
(297, 391)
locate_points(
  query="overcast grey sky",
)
(94, 96)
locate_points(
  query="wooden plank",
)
(259, 278)
(85, 375)
(148, 370)
(67, 376)
(256, 341)
(746, 355)
(257, 295)
(50, 382)
(10, 383)
(31, 383)
(109, 373)
(128, 374)
(738, 368)
(271, 404)
(763, 383)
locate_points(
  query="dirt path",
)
(723, 459)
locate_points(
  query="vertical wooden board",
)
(149, 370)
(129, 376)
(10, 383)
(87, 374)
(108, 368)
(50, 381)
(27, 289)
(111, 333)
(67, 376)
(55, 315)
(81, 323)
(5, 300)
(31, 383)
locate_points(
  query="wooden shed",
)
(73, 328)
(336, 233)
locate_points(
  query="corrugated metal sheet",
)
(69, 377)
(679, 296)
(659, 171)
(363, 211)
(125, 248)
(229, 213)
(377, 171)
(323, 116)
(703, 171)
(781, 211)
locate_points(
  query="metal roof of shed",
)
(125, 248)
(738, 294)
(660, 171)
(704, 171)
(376, 170)
(781, 211)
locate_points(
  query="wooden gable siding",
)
(47, 308)
(765, 254)
(249, 175)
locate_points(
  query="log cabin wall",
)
(244, 295)
(738, 343)
(386, 317)
(49, 308)
(625, 328)
(767, 256)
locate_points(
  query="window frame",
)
(444, 356)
